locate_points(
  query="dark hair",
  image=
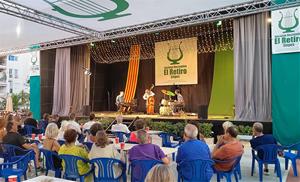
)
(70, 136)
(29, 113)
(9, 126)
(72, 116)
(232, 131)
(92, 116)
(139, 124)
(101, 139)
(95, 128)
(45, 116)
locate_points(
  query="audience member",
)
(50, 142)
(103, 149)
(138, 125)
(73, 124)
(70, 148)
(261, 139)
(145, 150)
(88, 124)
(93, 131)
(120, 126)
(193, 149)
(14, 138)
(30, 121)
(228, 150)
(63, 128)
(44, 122)
(3, 131)
(160, 173)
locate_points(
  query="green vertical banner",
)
(35, 96)
(222, 94)
(286, 74)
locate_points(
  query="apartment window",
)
(10, 73)
(16, 73)
(10, 86)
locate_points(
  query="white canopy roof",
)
(99, 15)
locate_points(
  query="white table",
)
(246, 138)
(46, 179)
(128, 146)
(154, 132)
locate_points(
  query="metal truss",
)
(233, 11)
(24, 12)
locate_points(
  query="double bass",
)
(150, 102)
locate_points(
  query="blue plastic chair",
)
(121, 135)
(49, 162)
(235, 170)
(71, 169)
(28, 130)
(81, 138)
(194, 171)
(15, 151)
(140, 168)
(288, 155)
(18, 167)
(106, 170)
(166, 140)
(269, 157)
(89, 145)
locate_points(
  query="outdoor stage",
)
(178, 117)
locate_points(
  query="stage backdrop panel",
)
(222, 94)
(176, 62)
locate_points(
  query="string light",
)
(211, 38)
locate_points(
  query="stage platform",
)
(184, 116)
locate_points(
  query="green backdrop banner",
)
(222, 95)
(35, 96)
(286, 97)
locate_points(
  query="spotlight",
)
(92, 44)
(113, 41)
(269, 20)
(219, 23)
(87, 71)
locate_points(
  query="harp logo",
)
(175, 54)
(289, 21)
(104, 10)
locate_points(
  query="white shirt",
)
(147, 95)
(88, 125)
(74, 125)
(120, 127)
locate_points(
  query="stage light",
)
(113, 41)
(269, 20)
(92, 44)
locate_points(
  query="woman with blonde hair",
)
(50, 142)
(160, 173)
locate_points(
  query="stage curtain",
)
(252, 68)
(133, 70)
(222, 94)
(80, 83)
(61, 91)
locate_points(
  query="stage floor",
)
(185, 116)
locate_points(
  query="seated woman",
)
(103, 149)
(50, 143)
(160, 173)
(70, 148)
(138, 125)
(62, 130)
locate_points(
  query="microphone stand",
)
(133, 121)
(110, 125)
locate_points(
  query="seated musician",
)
(179, 103)
(120, 100)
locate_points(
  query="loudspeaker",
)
(86, 110)
(202, 111)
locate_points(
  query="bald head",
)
(190, 131)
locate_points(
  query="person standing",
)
(150, 101)
(120, 100)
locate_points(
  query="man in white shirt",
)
(73, 124)
(120, 126)
(88, 124)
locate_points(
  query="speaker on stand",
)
(202, 111)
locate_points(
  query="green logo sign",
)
(174, 50)
(89, 8)
(288, 19)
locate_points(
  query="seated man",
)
(73, 124)
(230, 149)
(14, 138)
(145, 150)
(193, 149)
(88, 124)
(120, 126)
(261, 139)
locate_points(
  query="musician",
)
(179, 97)
(120, 99)
(179, 103)
(149, 97)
